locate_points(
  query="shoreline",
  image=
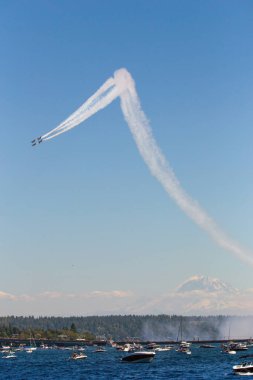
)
(81, 343)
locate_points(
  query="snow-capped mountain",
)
(199, 295)
(205, 284)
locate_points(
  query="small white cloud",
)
(111, 294)
(7, 296)
(51, 294)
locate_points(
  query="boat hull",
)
(139, 357)
(78, 357)
(245, 369)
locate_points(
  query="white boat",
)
(100, 349)
(165, 348)
(152, 346)
(10, 356)
(127, 347)
(76, 356)
(185, 344)
(226, 349)
(139, 357)
(32, 346)
(5, 348)
(243, 369)
(238, 346)
(44, 346)
(184, 348)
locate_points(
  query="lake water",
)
(55, 364)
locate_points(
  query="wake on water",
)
(122, 85)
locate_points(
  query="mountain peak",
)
(205, 284)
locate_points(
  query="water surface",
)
(55, 364)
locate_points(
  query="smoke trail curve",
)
(123, 85)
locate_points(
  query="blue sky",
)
(82, 212)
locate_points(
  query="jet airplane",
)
(36, 141)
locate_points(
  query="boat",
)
(165, 348)
(184, 350)
(139, 357)
(226, 349)
(238, 346)
(9, 356)
(206, 346)
(76, 356)
(243, 369)
(184, 347)
(4, 348)
(32, 346)
(152, 346)
(185, 344)
(44, 346)
(100, 349)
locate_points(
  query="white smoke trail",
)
(102, 98)
(123, 85)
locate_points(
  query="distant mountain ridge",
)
(205, 284)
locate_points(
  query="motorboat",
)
(164, 348)
(5, 348)
(243, 369)
(44, 346)
(152, 346)
(32, 346)
(76, 356)
(100, 349)
(139, 357)
(206, 346)
(127, 347)
(30, 349)
(238, 346)
(184, 348)
(184, 344)
(9, 356)
(226, 349)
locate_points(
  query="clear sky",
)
(81, 213)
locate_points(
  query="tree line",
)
(120, 327)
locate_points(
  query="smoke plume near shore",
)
(122, 85)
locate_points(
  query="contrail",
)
(122, 85)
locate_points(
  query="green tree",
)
(73, 328)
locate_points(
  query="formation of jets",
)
(36, 141)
